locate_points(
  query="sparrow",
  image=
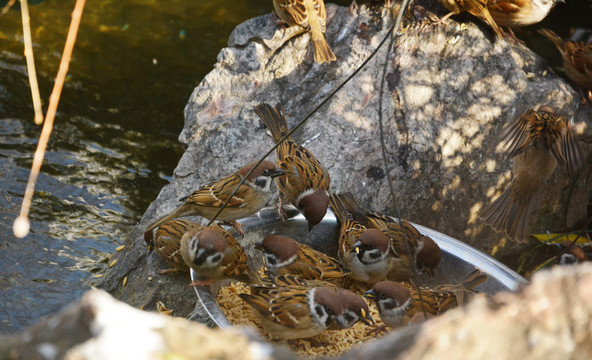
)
(249, 198)
(168, 243)
(365, 252)
(577, 59)
(426, 254)
(397, 304)
(294, 312)
(310, 15)
(306, 182)
(355, 309)
(477, 8)
(519, 12)
(538, 141)
(214, 254)
(285, 256)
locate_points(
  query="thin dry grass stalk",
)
(21, 224)
(7, 7)
(31, 62)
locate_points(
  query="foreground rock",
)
(449, 90)
(549, 319)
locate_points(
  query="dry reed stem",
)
(21, 224)
(7, 7)
(31, 62)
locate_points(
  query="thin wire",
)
(314, 110)
(402, 11)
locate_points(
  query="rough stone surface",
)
(449, 90)
(100, 327)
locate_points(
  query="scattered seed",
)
(113, 263)
(98, 276)
(124, 281)
(119, 248)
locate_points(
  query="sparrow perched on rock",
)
(425, 253)
(214, 254)
(397, 303)
(284, 256)
(519, 12)
(365, 252)
(311, 15)
(306, 182)
(294, 312)
(538, 141)
(577, 59)
(249, 198)
(478, 8)
(168, 243)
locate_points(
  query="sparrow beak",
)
(366, 318)
(357, 247)
(369, 294)
(276, 173)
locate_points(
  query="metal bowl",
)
(458, 258)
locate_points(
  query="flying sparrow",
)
(249, 198)
(214, 254)
(577, 59)
(478, 8)
(284, 256)
(355, 309)
(294, 312)
(365, 252)
(168, 243)
(519, 12)
(306, 182)
(397, 303)
(538, 141)
(311, 15)
(424, 251)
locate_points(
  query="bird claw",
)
(201, 282)
(166, 271)
(376, 330)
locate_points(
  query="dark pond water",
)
(114, 143)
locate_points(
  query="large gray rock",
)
(449, 90)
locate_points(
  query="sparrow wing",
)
(168, 241)
(319, 6)
(235, 260)
(285, 306)
(317, 265)
(580, 55)
(506, 6)
(218, 192)
(517, 135)
(293, 12)
(434, 301)
(303, 169)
